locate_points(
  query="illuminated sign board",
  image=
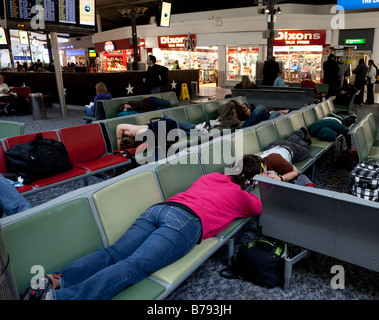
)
(166, 14)
(355, 41)
(300, 38)
(24, 37)
(358, 4)
(48, 15)
(173, 42)
(3, 38)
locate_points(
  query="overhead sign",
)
(300, 38)
(3, 39)
(173, 42)
(355, 41)
(358, 4)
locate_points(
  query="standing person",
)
(279, 81)
(155, 77)
(331, 72)
(101, 94)
(371, 79)
(270, 72)
(164, 233)
(11, 201)
(360, 78)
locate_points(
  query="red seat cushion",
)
(3, 167)
(83, 143)
(24, 188)
(74, 172)
(10, 142)
(105, 161)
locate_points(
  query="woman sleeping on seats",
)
(162, 234)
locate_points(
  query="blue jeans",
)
(159, 237)
(259, 113)
(185, 126)
(159, 103)
(11, 201)
(89, 112)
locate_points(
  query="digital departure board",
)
(62, 15)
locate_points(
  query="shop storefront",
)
(300, 52)
(116, 56)
(171, 49)
(241, 61)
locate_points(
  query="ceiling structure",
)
(111, 18)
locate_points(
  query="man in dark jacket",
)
(331, 70)
(155, 77)
(360, 78)
(270, 72)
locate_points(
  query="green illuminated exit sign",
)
(355, 41)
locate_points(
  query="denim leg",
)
(160, 103)
(11, 201)
(258, 114)
(162, 235)
(274, 114)
(185, 126)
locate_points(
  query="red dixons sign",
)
(300, 38)
(173, 42)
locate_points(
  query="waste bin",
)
(8, 290)
(38, 106)
(194, 89)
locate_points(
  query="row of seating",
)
(364, 134)
(86, 219)
(86, 149)
(341, 226)
(107, 109)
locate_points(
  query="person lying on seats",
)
(232, 113)
(329, 128)
(277, 159)
(11, 201)
(344, 95)
(126, 133)
(164, 233)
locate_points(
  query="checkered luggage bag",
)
(364, 180)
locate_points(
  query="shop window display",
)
(298, 61)
(241, 61)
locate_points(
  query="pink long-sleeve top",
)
(218, 201)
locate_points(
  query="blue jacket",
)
(101, 96)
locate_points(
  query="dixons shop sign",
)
(173, 42)
(300, 38)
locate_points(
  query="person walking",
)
(360, 78)
(371, 79)
(155, 77)
(331, 71)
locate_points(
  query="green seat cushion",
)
(51, 238)
(171, 273)
(236, 223)
(121, 203)
(146, 289)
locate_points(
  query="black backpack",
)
(163, 71)
(260, 262)
(37, 159)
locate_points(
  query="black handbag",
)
(37, 159)
(259, 262)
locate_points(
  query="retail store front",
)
(117, 56)
(172, 52)
(241, 61)
(300, 52)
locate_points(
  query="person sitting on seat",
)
(344, 95)
(279, 81)
(101, 94)
(279, 155)
(307, 82)
(245, 84)
(164, 233)
(11, 201)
